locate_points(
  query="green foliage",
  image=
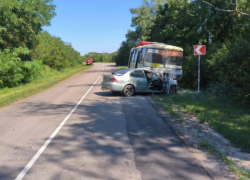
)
(14, 71)
(21, 21)
(49, 78)
(123, 54)
(101, 57)
(143, 18)
(219, 112)
(231, 67)
(24, 48)
(184, 23)
(142, 21)
(52, 51)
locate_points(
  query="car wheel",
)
(172, 90)
(128, 90)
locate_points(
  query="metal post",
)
(199, 64)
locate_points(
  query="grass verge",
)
(122, 67)
(48, 79)
(225, 117)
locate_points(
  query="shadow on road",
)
(84, 85)
(99, 135)
(111, 94)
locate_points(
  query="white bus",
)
(165, 59)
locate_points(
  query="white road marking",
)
(37, 155)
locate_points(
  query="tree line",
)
(101, 57)
(225, 69)
(25, 49)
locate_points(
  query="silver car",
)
(129, 81)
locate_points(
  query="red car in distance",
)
(89, 61)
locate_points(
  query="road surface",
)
(74, 130)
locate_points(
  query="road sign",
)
(199, 50)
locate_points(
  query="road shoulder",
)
(217, 169)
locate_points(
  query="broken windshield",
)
(174, 58)
(154, 56)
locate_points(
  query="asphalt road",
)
(105, 137)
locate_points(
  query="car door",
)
(139, 80)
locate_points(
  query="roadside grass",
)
(122, 67)
(48, 79)
(230, 120)
(239, 172)
(224, 116)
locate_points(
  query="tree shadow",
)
(100, 134)
(83, 85)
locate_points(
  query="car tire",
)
(128, 90)
(172, 90)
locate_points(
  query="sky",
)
(92, 25)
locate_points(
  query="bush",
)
(14, 71)
(231, 70)
(55, 53)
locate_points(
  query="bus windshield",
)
(174, 58)
(156, 56)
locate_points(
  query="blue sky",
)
(92, 26)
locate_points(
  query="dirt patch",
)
(193, 134)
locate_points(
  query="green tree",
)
(100, 57)
(20, 24)
(142, 21)
(52, 51)
(185, 23)
(143, 17)
(123, 54)
(22, 21)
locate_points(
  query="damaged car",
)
(130, 81)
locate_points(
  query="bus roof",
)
(161, 46)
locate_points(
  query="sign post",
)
(199, 50)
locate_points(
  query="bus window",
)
(154, 56)
(174, 58)
(143, 53)
(139, 58)
(171, 60)
(131, 55)
(134, 55)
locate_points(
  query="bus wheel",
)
(128, 90)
